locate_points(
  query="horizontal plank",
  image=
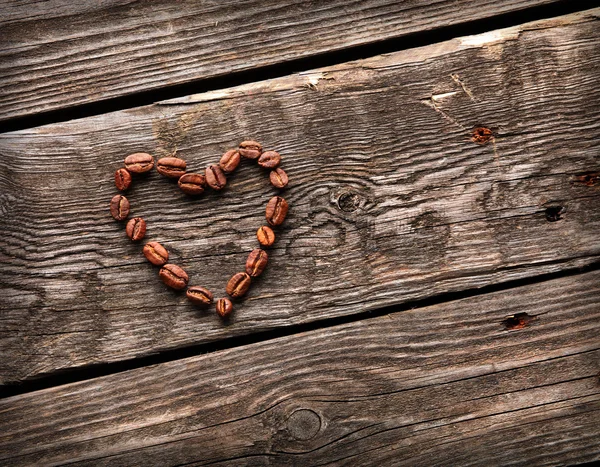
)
(439, 385)
(390, 199)
(57, 54)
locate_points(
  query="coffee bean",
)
(173, 276)
(224, 307)
(250, 149)
(122, 179)
(136, 228)
(139, 162)
(269, 159)
(278, 178)
(256, 262)
(238, 285)
(156, 253)
(230, 160)
(199, 295)
(277, 209)
(265, 235)
(171, 167)
(192, 184)
(119, 207)
(215, 178)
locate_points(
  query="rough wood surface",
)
(440, 385)
(390, 199)
(56, 54)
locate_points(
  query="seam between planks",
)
(93, 371)
(318, 60)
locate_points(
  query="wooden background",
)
(395, 210)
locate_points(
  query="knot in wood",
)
(482, 135)
(349, 201)
(304, 424)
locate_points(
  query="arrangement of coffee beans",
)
(193, 184)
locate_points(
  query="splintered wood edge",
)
(137, 48)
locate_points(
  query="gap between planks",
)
(459, 20)
(69, 376)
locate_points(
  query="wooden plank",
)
(57, 54)
(440, 385)
(390, 199)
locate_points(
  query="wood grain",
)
(390, 199)
(57, 54)
(439, 385)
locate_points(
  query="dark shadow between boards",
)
(301, 64)
(104, 369)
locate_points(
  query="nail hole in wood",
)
(588, 178)
(518, 321)
(554, 213)
(482, 135)
(348, 202)
(304, 424)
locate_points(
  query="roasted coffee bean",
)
(269, 159)
(277, 209)
(265, 235)
(250, 149)
(136, 228)
(173, 276)
(230, 160)
(119, 207)
(171, 167)
(256, 262)
(122, 179)
(215, 178)
(238, 285)
(156, 253)
(199, 295)
(224, 307)
(192, 184)
(139, 162)
(278, 178)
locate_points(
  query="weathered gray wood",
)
(435, 212)
(439, 385)
(56, 54)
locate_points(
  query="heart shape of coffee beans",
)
(194, 184)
